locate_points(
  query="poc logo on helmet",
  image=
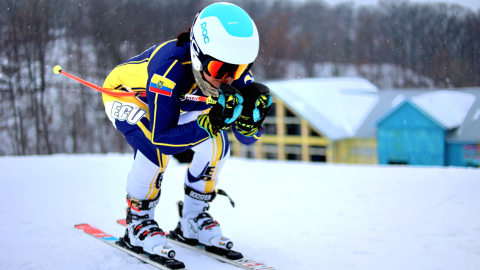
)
(195, 50)
(205, 33)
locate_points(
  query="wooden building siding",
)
(356, 151)
(409, 136)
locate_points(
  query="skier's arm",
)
(164, 87)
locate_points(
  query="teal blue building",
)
(408, 135)
(442, 129)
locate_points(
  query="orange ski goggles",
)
(221, 70)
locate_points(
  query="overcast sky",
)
(473, 4)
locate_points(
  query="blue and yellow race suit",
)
(150, 124)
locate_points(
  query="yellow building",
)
(287, 137)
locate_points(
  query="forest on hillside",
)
(414, 45)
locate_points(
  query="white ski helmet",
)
(225, 32)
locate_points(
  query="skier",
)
(213, 59)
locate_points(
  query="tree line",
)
(419, 45)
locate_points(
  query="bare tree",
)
(43, 114)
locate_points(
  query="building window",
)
(313, 133)
(292, 123)
(293, 129)
(293, 152)
(317, 158)
(317, 153)
(289, 113)
(273, 110)
(271, 156)
(294, 157)
(270, 151)
(270, 129)
(247, 151)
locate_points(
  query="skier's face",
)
(216, 82)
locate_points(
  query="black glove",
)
(257, 104)
(225, 110)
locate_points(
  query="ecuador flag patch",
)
(161, 85)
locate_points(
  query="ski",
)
(154, 260)
(241, 263)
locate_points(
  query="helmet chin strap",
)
(206, 88)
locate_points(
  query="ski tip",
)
(122, 222)
(57, 69)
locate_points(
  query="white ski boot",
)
(143, 234)
(197, 227)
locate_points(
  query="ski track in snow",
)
(290, 215)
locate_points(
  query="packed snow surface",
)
(290, 215)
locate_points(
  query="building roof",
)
(469, 130)
(414, 105)
(340, 108)
(335, 107)
(454, 109)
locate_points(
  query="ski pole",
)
(58, 70)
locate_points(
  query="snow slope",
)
(289, 215)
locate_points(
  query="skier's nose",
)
(229, 79)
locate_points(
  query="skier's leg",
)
(143, 193)
(144, 180)
(201, 178)
(196, 224)
(202, 175)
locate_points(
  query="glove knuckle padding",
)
(227, 108)
(257, 103)
(227, 89)
(231, 101)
